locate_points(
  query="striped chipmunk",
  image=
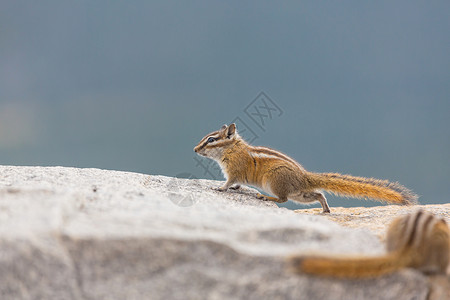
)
(281, 176)
(419, 240)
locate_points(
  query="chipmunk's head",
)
(215, 143)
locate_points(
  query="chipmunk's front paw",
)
(219, 189)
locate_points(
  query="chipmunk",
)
(419, 240)
(279, 175)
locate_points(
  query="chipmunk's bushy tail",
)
(364, 267)
(361, 187)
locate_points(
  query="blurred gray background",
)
(362, 87)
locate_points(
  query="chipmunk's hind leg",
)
(309, 197)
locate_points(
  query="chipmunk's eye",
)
(210, 140)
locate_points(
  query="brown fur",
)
(352, 267)
(360, 187)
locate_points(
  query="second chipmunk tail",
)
(352, 268)
(361, 187)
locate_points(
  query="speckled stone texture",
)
(376, 219)
(69, 233)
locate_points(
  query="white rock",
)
(68, 233)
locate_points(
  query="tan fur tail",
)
(360, 187)
(348, 268)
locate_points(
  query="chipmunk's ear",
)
(231, 130)
(224, 126)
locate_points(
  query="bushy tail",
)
(348, 267)
(360, 187)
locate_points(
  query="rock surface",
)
(68, 233)
(378, 218)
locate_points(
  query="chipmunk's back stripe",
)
(270, 152)
(427, 225)
(263, 155)
(412, 226)
(254, 162)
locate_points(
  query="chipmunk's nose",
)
(195, 149)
